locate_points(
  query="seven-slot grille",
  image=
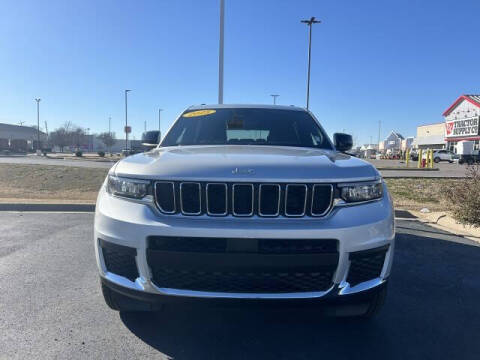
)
(243, 199)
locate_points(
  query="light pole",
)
(309, 23)
(126, 119)
(160, 131)
(274, 98)
(38, 125)
(220, 54)
(109, 125)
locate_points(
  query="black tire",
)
(119, 302)
(470, 161)
(376, 303)
(437, 159)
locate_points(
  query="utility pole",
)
(160, 131)
(46, 129)
(220, 54)
(309, 23)
(126, 119)
(274, 98)
(109, 125)
(379, 126)
(38, 125)
(145, 126)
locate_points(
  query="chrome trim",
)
(233, 199)
(345, 288)
(304, 204)
(313, 197)
(226, 295)
(260, 202)
(173, 193)
(226, 199)
(199, 198)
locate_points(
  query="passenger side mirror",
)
(151, 139)
(342, 142)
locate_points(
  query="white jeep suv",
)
(248, 203)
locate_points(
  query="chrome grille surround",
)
(173, 195)
(291, 186)
(199, 198)
(313, 197)
(207, 196)
(252, 199)
(260, 200)
(304, 199)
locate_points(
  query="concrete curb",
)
(443, 221)
(47, 207)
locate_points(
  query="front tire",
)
(437, 160)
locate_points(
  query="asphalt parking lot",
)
(51, 306)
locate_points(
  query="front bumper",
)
(357, 228)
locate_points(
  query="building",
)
(407, 143)
(462, 121)
(430, 136)
(392, 144)
(21, 138)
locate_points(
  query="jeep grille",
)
(243, 199)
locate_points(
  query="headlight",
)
(361, 192)
(129, 188)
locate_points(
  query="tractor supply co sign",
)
(463, 127)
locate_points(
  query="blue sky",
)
(399, 62)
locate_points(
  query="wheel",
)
(437, 159)
(470, 161)
(450, 161)
(119, 302)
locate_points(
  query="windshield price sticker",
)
(199, 113)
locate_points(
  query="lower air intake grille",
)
(119, 260)
(244, 282)
(366, 265)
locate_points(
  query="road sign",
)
(128, 129)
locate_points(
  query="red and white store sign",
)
(462, 127)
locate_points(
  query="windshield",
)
(247, 126)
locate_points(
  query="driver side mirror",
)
(151, 139)
(342, 142)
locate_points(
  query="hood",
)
(246, 163)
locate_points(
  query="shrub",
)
(101, 153)
(78, 153)
(463, 197)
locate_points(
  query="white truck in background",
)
(467, 153)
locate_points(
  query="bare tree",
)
(61, 136)
(108, 139)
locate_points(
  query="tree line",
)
(70, 135)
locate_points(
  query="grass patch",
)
(50, 183)
(418, 193)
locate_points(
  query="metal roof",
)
(25, 130)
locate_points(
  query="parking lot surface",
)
(51, 306)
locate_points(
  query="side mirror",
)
(151, 139)
(342, 142)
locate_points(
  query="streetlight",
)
(126, 119)
(160, 131)
(220, 53)
(38, 125)
(274, 98)
(309, 23)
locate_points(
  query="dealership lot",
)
(51, 305)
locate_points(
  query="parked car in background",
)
(443, 155)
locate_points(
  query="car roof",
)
(245, 106)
